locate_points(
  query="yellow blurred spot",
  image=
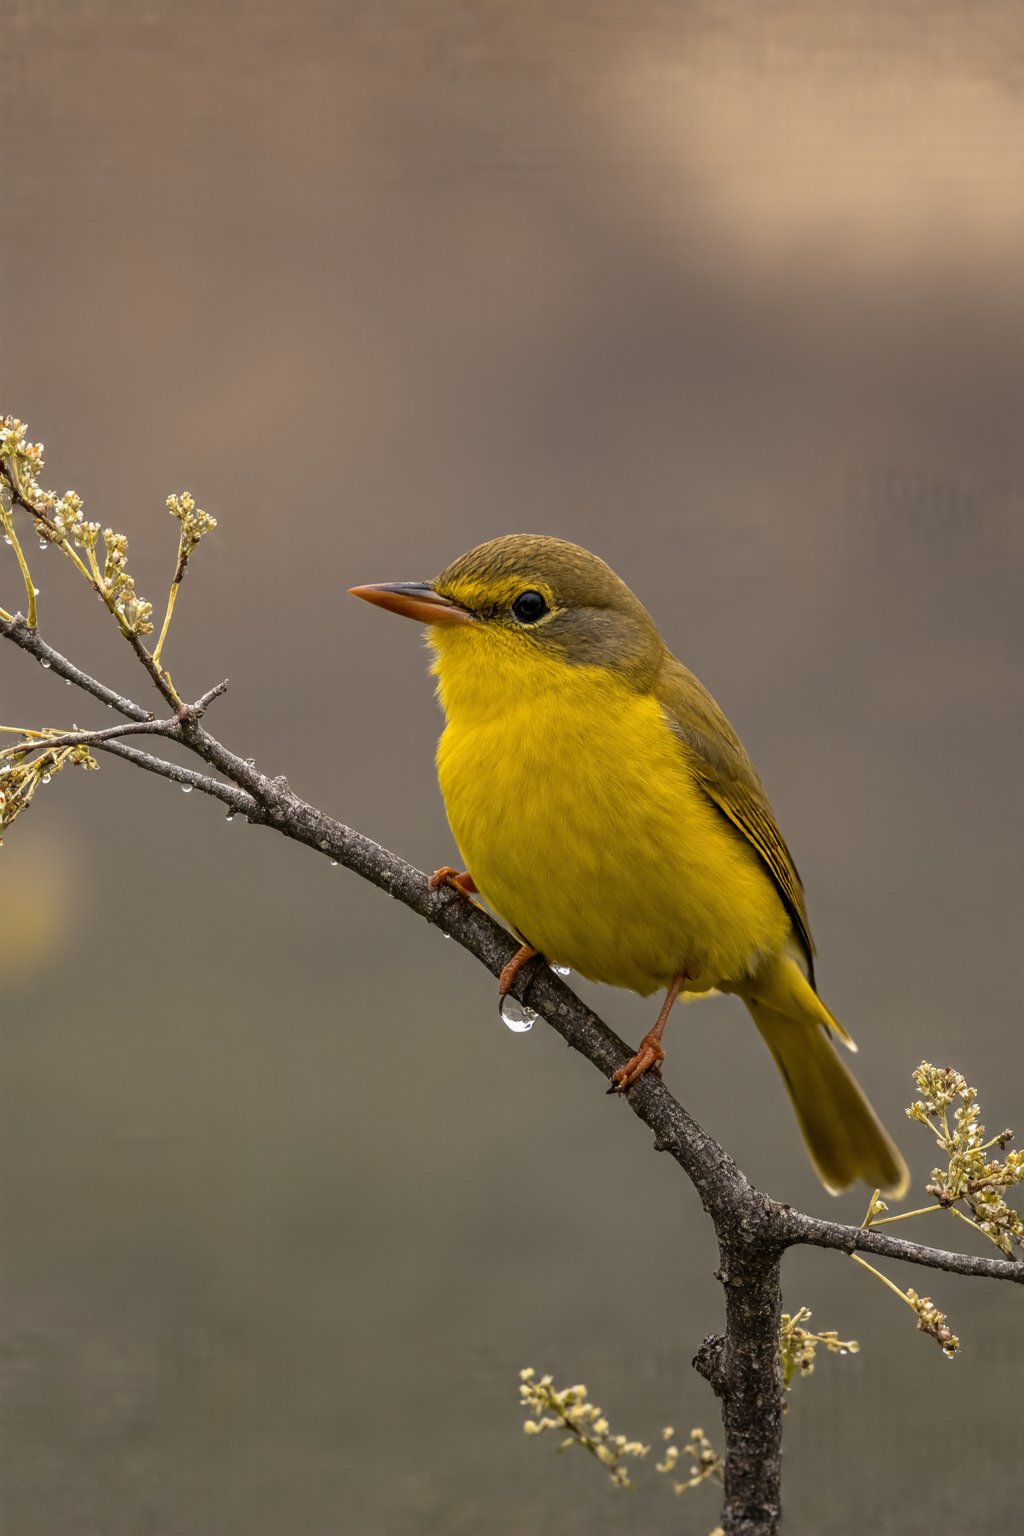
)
(36, 881)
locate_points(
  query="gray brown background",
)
(730, 293)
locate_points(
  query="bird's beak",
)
(415, 600)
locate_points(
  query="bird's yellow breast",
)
(578, 817)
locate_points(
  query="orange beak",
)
(414, 600)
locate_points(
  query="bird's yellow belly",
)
(584, 829)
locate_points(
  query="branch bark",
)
(753, 1230)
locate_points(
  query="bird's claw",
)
(647, 1059)
(510, 971)
(459, 880)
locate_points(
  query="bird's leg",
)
(511, 971)
(650, 1052)
(466, 886)
(446, 875)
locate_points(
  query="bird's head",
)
(524, 605)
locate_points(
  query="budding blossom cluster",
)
(698, 1456)
(581, 1422)
(60, 520)
(100, 555)
(194, 523)
(798, 1346)
(973, 1177)
(20, 776)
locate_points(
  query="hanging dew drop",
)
(516, 1016)
(334, 863)
(186, 789)
(46, 778)
(44, 543)
(44, 663)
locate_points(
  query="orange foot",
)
(446, 875)
(511, 971)
(650, 1053)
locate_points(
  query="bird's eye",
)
(529, 607)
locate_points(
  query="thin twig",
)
(817, 1233)
(169, 728)
(237, 800)
(884, 1279)
(922, 1210)
(93, 738)
(202, 704)
(11, 535)
(160, 679)
(30, 640)
(168, 615)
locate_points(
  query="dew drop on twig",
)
(516, 1016)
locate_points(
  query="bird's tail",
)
(844, 1136)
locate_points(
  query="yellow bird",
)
(606, 809)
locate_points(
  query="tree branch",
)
(753, 1230)
(169, 728)
(30, 640)
(239, 803)
(814, 1231)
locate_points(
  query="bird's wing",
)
(727, 776)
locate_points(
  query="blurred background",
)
(730, 294)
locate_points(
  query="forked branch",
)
(753, 1230)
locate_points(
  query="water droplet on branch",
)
(516, 1016)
